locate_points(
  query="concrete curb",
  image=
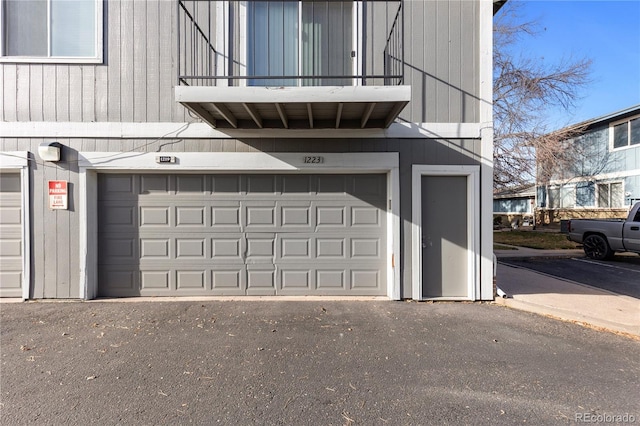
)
(567, 300)
(630, 331)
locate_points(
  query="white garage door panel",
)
(242, 234)
(10, 235)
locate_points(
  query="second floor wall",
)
(138, 68)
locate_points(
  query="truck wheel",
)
(596, 247)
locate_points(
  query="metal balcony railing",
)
(290, 42)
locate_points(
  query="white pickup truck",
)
(600, 239)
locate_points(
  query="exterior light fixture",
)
(50, 151)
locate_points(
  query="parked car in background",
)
(600, 239)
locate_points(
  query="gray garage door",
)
(241, 235)
(10, 235)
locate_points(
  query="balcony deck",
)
(220, 85)
(295, 107)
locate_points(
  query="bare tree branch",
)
(524, 90)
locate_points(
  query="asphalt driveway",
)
(319, 362)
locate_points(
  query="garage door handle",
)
(635, 228)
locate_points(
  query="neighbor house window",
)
(517, 205)
(562, 197)
(51, 30)
(568, 196)
(585, 194)
(626, 133)
(610, 195)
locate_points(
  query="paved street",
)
(316, 362)
(620, 275)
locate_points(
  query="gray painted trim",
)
(26, 233)
(475, 285)
(608, 118)
(88, 202)
(486, 150)
(20, 160)
(90, 163)
(601, 176)
(14, 159)
(128, 130)
(293, 94)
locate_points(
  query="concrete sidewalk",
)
(568, 300)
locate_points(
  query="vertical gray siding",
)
(442, 69)
(55, 256)
(428, 152)
(135, 82)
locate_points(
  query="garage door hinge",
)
(393, 260)
(389, 204)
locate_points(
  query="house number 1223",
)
(313, 160)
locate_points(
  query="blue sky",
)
(607, 32)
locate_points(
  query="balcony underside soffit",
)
(325, 107)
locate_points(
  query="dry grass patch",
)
(534, 240)
(503, 247)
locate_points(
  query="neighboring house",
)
(599, 175)
(514, 206)
(246, 148)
